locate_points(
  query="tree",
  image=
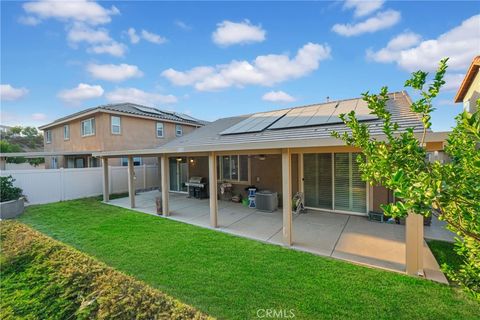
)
(20, 139)
(399, 162)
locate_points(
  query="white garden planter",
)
(11, 209)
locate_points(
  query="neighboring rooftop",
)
(467, 81)
(133, 110)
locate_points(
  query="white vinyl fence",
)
(52, 185)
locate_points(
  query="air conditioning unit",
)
(266, 201)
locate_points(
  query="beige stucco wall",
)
(472, 95)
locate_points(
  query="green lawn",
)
(445, 254)
(231, 277)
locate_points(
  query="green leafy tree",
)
(400, 163)
(6, 147)
(20, 139)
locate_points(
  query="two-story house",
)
(123, 126)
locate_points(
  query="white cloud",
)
(145, 35)
(229, 33)
(39, 116)
(460, 44)
(382, 20)
(79, 10)
(152, 37)
(189, 77)
(83, 33)
(394, 47)
(114, 72)
(362, 7)
(80, 93)
(452, 81)
(277, 96)
(265, 70)
(9, 93)
(132, 34)
(29, 20)
(139, 96)
(99, 39)
(183, 25)
(113, 48)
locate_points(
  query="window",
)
(159, 129)
(54, 163)
(88, 127)
(66, 132)
(137, 161)
(48, 136)
(115, 124)
(178, 130)
(233, 168)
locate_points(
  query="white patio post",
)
(300, 172)
(414, 244)
(212, 187)
(287, 196)
(106, 178)
(131, 182)
(159, 173)
(165, 176)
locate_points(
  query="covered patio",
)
(341, 236)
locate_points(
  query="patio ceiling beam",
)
(165, 176)
(287, 196)
(106, 178)
(131, 182)
(248, 152)
(212, 187)
(414, 244)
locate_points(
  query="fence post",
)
(109, 179)
(62, 184)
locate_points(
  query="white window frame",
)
(92, 125)
(240, 169)
(124, 161)
(119, 125)
(48, 136)
(157, 126)
(178, 130)
(66, 132)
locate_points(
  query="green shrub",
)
(45, 279)
(7, 190)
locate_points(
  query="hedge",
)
(45, 279)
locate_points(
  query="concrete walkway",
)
(346, 237)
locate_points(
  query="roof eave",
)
(467, 80)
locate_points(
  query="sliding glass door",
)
(350, 190)
(318, 180)
(333, 181)
(178, 174)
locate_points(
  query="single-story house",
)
(285, 151)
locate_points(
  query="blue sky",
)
(216, 59)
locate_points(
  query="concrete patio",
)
(346, 237)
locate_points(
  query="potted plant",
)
(11, 199)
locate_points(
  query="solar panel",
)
(322, 114)
(148, 110)
(255, 123)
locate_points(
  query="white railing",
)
(53, 185)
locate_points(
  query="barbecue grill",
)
(197, 188)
